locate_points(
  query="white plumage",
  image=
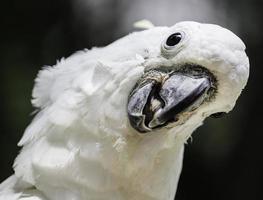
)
(81, 146)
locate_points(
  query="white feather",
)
(143, 24)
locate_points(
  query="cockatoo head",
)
(199, 70)
(112, 113)
(149, 81)
(164, 79)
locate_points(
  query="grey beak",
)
(154, 103)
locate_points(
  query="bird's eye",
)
(174, 44)
(173, 39)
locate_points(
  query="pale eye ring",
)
(173, 44)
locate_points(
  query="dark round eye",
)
(174, 39)
(218, 115)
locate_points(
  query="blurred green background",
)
(224, 159)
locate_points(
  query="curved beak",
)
(159, 98)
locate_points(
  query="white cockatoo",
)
(113, 121)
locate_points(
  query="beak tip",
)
(138, 123)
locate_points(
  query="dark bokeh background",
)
(224, 160)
